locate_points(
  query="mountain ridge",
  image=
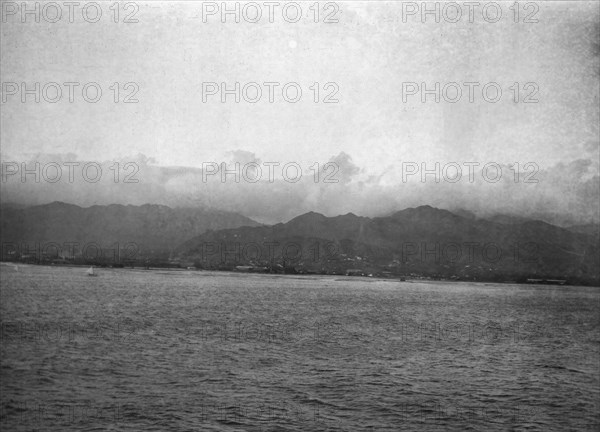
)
(403, 243)
(413, 241)
(154, 229)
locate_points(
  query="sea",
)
(184, 350)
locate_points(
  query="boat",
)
(90, 272)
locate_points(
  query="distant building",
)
(244, 268)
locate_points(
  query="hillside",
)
(417, 241)
(145, 231)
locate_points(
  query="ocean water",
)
(207, 351)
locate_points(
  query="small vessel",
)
(90, 272)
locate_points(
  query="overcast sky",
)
(368, 55)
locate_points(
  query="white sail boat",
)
(90, 272)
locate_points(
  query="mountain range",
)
(144, 231)
(414, 242)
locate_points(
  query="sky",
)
(370, 65)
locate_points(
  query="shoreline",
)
(402, 279)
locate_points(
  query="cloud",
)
(566, 193)
(344, 167)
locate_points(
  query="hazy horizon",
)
(280, 201)
(363, 62)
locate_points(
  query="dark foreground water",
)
(200, 351)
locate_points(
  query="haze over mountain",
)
(149, 230)
(566, 194)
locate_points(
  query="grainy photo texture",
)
(299, 215)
